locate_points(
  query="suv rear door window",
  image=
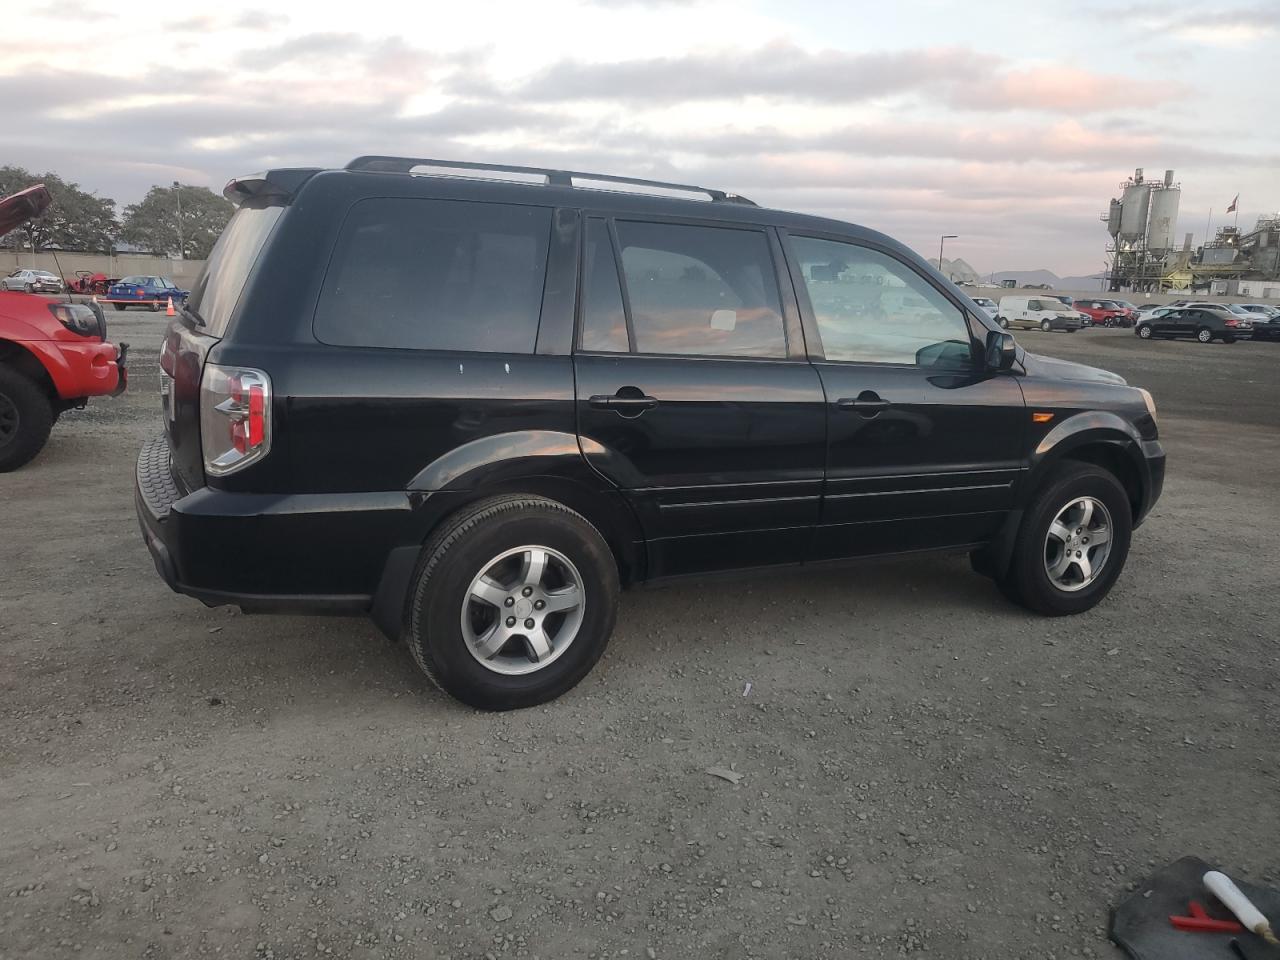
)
(436, 275)
(872, 308)
(604, 322)
(701, 291)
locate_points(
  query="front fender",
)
(1081, 430)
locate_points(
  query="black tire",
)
(26, 417)
(1204, 335)
(1027, 582)
(1046, 326)
(120, 306)
(459, 551)
(1003, 321)
(1144, 331)
(155, 307)
(1228, 339)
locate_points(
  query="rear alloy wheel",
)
(1072, 544)
(514, 602)
(26, 417)
(1144, 332)
(1046, 326)
(1204, 335)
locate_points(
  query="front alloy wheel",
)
(1078, 544)
(1144, 332)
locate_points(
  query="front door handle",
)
(627, 402)
(868, 403)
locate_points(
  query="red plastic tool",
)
(1201, 922)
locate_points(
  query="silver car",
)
(32, 281)
(987, 304)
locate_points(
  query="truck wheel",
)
(26, 417)
(1072, 544)
(1046, 326)
(514, 602)
(1003, 321)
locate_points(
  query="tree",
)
(76, 221)
(153, 224)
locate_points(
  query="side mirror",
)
(1002, 350)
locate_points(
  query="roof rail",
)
(558, 178)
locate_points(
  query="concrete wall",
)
(181, 272)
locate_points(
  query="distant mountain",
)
(956, 269)
(1025, 277)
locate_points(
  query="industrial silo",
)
(1135, 205)
(1164, 215)
(1113, 217)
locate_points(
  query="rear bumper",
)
(312, 553)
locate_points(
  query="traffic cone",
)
(169, 312)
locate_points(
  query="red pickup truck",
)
(54, 353)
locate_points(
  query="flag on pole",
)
(1232, 208)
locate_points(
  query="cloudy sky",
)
(1008, 123)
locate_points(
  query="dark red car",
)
(1104, 313)
(54, 354)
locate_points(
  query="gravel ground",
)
(925, 769)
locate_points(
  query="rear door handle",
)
(627, 402)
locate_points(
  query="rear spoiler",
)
(281, 184)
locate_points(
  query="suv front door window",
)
(924, 446)
(717, 430)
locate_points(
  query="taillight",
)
(1232, 323)
(235, 417)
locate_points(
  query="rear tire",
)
(1003, 321)
(1204, 335)
(120, 306)
(490, 544)
(1030, 580)
(26, 417)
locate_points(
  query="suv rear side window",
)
(436, 275)
(701, 291)
(872, 308)
(217, 290)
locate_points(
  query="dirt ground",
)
(925, 768)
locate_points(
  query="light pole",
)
(941, 243)
(177, 193)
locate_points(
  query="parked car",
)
(1045, 313)
(152, 292)
(1262, 309)
(1202, 323)
(1106, 313)
(88, 282)
(1266, 327)
(1130, 310)
(475, 409)
(31, 281)
(1039, 286)
(1155, 312)
(989, 306)
(54, 356)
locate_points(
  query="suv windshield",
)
(217, 290)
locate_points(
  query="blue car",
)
(153, 292)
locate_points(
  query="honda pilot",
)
(475, 401)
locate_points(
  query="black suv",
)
(475, 401)
(1205, 324)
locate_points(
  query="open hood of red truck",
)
(22, 206)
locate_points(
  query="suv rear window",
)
(218, 288)
(436, 275)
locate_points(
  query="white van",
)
(1047, 313)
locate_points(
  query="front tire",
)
(1046, 326)
(514, 602)
(1073, 542)
(1003, 321)
(26, 417)
(1144, 332)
